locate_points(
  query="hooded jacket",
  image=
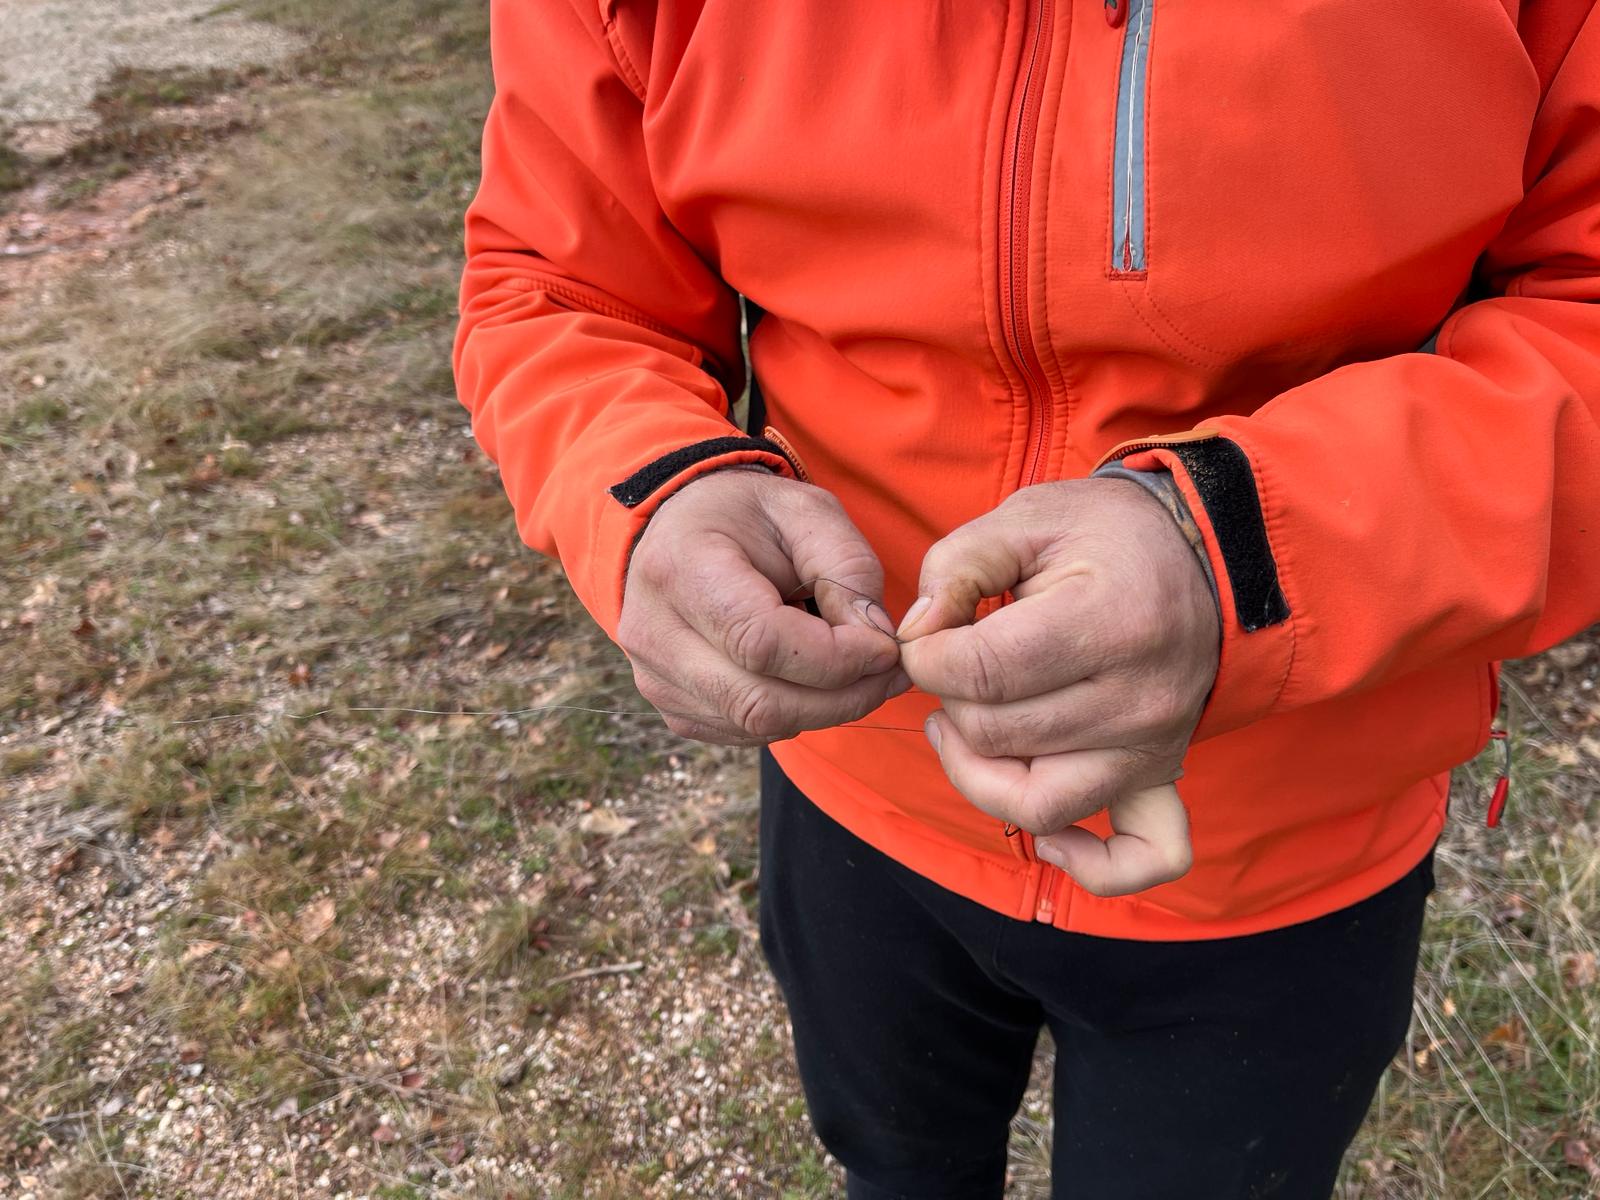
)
(1334, 264)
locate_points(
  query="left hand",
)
(1083, 694)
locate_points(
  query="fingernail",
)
(868, 611)
(930, 729)
(913, 615)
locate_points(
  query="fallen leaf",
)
(1577, 1153)
(205, 474)
(411, 1079)
(300, 676)
(199, 950)
(67, 863)
(191, 1052)
(1511, 1037)
(1579, 971)
(279, 961)
(706, 845)
(605, 823)
(385, 1134)
(316, 918)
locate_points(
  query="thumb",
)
(982, 558)
(1150, 845)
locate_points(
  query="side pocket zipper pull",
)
(1502, 785)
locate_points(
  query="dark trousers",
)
(1226, 1069)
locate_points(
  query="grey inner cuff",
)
(1164, 488)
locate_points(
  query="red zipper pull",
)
(1116, 12)
(1502, 785)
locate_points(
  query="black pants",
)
(1218, 1070)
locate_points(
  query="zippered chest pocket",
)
(1128, 142)
(1310, 175)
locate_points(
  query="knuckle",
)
(651, 688)
(982, 669)
(684, 727)
(751, 643)
(760, 714)
(984, 730)
(650, 565)
(1091, 796)
(633, 630)
(1178, 859)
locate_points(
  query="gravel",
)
(54, 54)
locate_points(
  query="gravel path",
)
(54, 54)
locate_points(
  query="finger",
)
(705, 697)
(1041, 795)
(984, 557)
(737, 609)
(1150, 845)
(832, 559)
(1033, 646)
(1092, 714)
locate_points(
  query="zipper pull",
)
(1502, 785)
(1116, 12)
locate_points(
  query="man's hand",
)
(705, 623)
(1082, 695)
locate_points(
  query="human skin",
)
(1081, 695)
(715, 645)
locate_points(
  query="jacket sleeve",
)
(1412, 510)
(597, 352)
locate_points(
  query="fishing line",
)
(807, 587)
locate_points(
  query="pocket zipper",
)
(1129, 142)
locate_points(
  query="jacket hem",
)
(1007, 886)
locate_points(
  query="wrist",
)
(1162, 488)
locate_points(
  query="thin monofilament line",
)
(540, 709)
(499, 714)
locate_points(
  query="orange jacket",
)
(1003, 243)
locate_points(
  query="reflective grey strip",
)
(1128, 145)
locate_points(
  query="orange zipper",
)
(1017, 174)
(1045, 910)
(1017, 178)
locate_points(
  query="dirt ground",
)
(59, 52)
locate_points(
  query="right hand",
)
(715, 644)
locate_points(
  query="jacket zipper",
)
(1017, 179)
(1128, 143)
(1017, 174)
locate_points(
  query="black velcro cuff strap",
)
(649, 479)
(1220, 471)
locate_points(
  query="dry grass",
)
(268, 930)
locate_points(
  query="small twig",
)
(591, 972)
